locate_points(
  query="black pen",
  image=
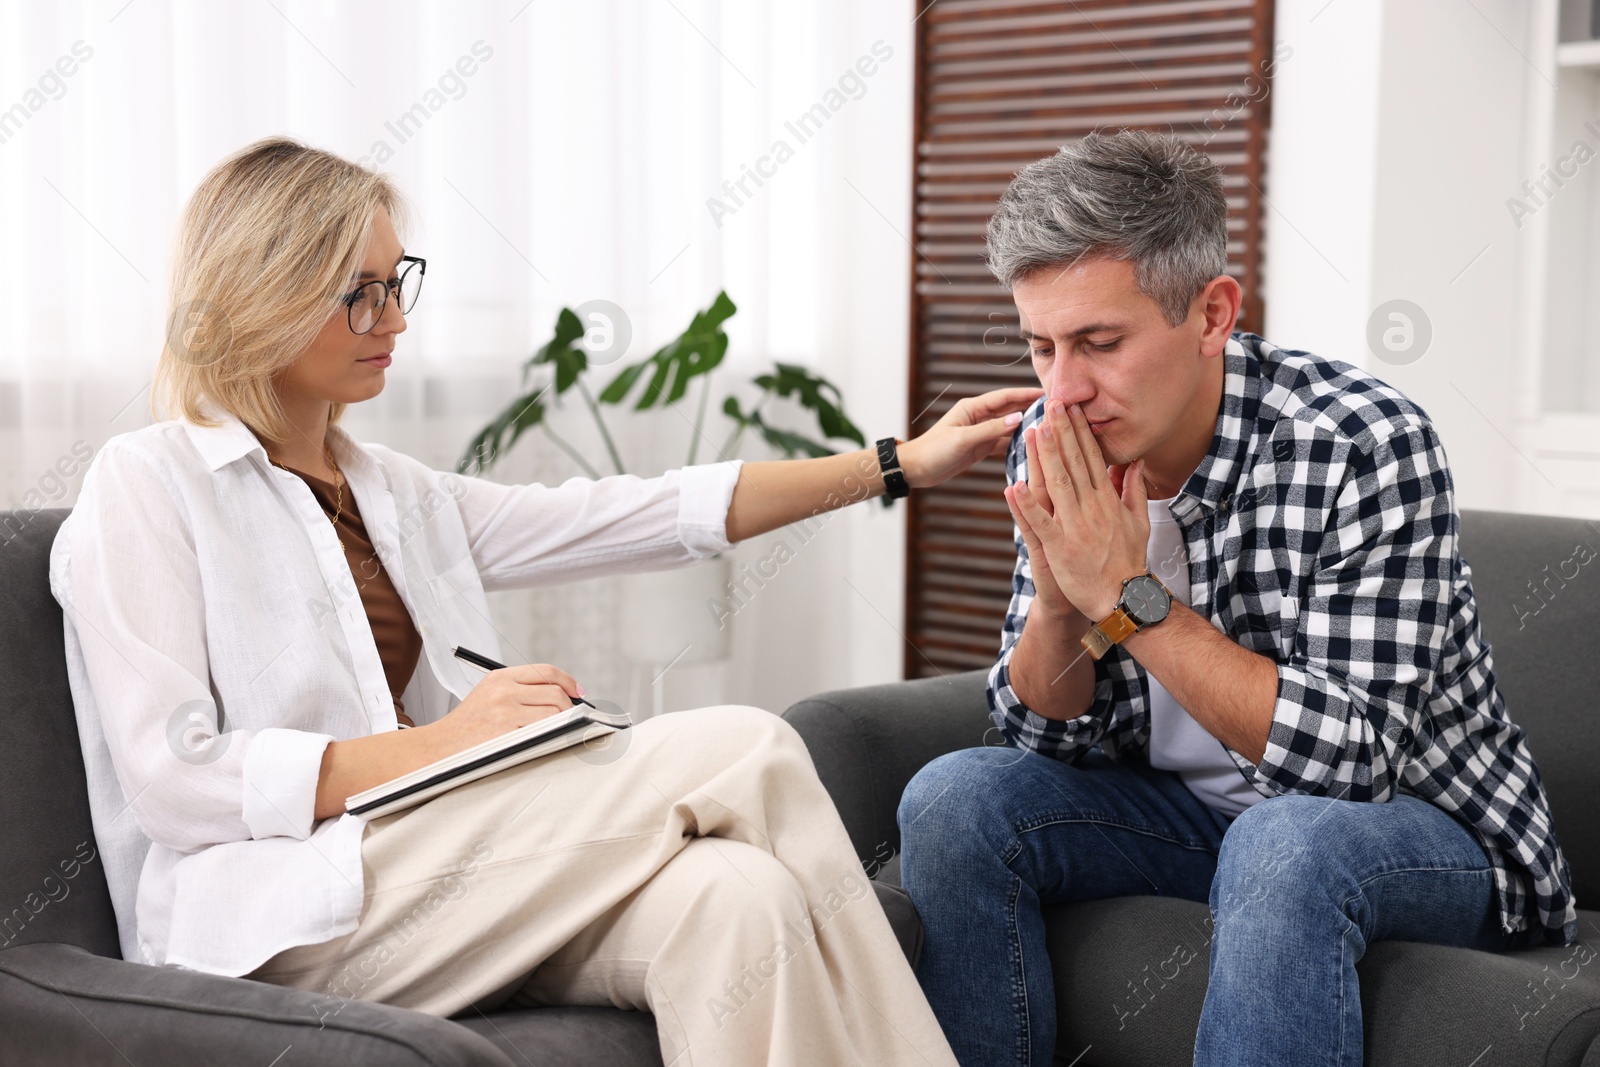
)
(490, 665)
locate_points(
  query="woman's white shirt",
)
(216, 643)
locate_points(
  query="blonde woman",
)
(258, 606)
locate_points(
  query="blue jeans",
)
(1298, 887)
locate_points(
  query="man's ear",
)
(1219, 304)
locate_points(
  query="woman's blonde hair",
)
(271, 238)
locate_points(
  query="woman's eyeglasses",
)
(365, 305)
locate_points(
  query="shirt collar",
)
(1211, 484)
(220, 445)
(231, 439)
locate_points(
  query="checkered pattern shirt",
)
(1322, 532)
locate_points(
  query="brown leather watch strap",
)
(1111, 630)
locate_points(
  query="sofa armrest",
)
(62, 1004)
(867, 744)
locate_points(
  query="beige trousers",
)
(695, 868)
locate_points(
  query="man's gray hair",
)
(1145, 197)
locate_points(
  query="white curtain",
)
(556, 153)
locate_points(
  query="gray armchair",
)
(68, 998)
(1423, 1004)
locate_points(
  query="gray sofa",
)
(1123, 999)
(67, 998)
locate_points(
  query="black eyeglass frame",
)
(349, 299)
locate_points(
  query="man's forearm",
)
(1050, 670)
(1225, 687)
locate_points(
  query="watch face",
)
(1146, 600)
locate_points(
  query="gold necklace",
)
(338, 484)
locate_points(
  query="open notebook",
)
(575, 726)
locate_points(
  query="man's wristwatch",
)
(895, 485)
(1144, 602)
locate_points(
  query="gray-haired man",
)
(1242, 661)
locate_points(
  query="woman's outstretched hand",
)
(777, 492)
(977, 427)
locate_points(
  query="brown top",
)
(399, 643)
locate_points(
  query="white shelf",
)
(1579, 54)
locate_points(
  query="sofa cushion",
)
(1537, 581)
(62, 1005)
(570, 1037)
(867, 743)
(1130, 977)
(52, 886)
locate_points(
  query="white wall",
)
(1321, 176)
(832, 616)
(1397, 136)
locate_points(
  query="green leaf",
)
(790, 444)
(569, 364)
(618, 388)
(817, 394)
(696, 351)
(569, 328)
(563, 352)
(521, 415)
(528, 410)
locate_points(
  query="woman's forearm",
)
(349, 767)
(773, 494)
(505, 699)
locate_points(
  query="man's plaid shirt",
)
(1321, 529)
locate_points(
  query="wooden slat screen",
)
(1001, 83)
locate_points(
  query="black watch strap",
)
(894, 479)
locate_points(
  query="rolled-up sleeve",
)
(125, 571)
(705, 492)
(1354, 696)
(534, 534)
(281, 770)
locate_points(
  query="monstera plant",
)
(668, 375)
(677, 615)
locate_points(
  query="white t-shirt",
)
(1177, 742)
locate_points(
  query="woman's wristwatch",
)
(895, 485)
